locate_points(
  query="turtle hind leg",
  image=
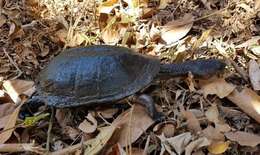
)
(147, 101)
(31, 106)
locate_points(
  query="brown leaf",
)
(3, 121)
(107, 6)
(218, 86)
(163, 3)
(254, 74)
(132, 123)
(257, 4)
(165, 128)
(2, 20)
(111, 36)
(222, 127)
(15, 88)
(179, 142)
(213, 134)
(192, 121)
(93, 146)
(244, 138)
(12, 29)
(175, 30)
(22, 147)
(108, 112)
(89, 125)
(256, 50)
(63, 117)
(194, 145)
(117, 150)
(248, 101)
(10, 125)
(71, 132)
(61, 35)
(218, 147)
(205, 35)
(212, 114)
(249, 43)
(6, 109)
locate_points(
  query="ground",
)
(218, 115)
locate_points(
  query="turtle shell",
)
(95, 74)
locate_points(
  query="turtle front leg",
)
(148, 102)
(31, 106)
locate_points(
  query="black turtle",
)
(101, 74)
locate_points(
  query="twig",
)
(21, 147)
(14, 63)
(104, 119)
(67, 150)
(146, 145)
(198, 19)
(238, 69)
(49, 129)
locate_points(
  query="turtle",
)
(100, 74)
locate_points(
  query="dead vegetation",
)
(220, 115)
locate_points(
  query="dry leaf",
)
(257, 4)
(15, 88)
(10, 125)
(108, 112)
(93, 146)
(107, 6)
(117, 150)
(248, 101)
(109, 2)
(205, 35)
(3, 121)
(222, 127)
(165, 128)
(6, 109)
(212, 114)
(213, 134)
(132, 123)
(12, 29)
(192, 121)
(218, 86)
(244, 138)
(175, 30)
(138, 151)
(29, 148)
(218, 147)
(198, 152)
(89, 125)
(251, 42)
(254, 74)
(180, 142)
(78, 39)
(71, 132)
(165, 146)
(255, 50)
(111, 36)
(197, 144)
(163, 3)
(63, 117)
(2, 20)
(61, 35)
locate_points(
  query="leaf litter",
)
(211, 115)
